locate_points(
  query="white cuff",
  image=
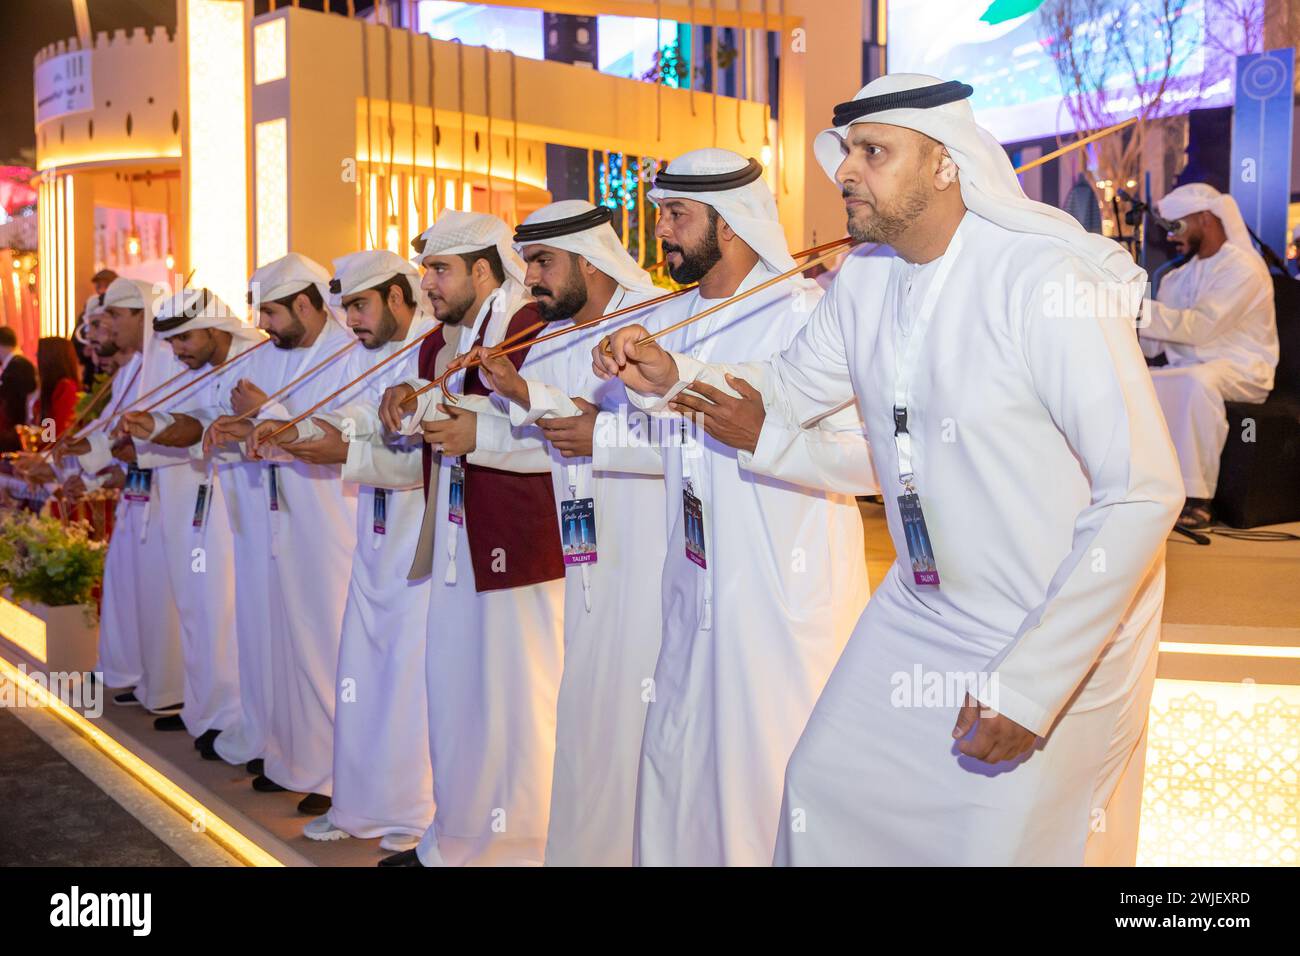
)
(161, 422)
(688, 370)
(307, 430)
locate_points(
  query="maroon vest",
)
(503, 509)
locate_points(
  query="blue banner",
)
(1261, 143)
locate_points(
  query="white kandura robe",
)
(1048, 485)
(382, 780)
(493, 665)
(244, 495)
(611, 607)
(139, 628)
(311, 539)
(200, 563)
(119, 637)
(749, 642)
(1215, 322)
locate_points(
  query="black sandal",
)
(1195, 517)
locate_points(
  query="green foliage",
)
(49, 562)
(83, 398)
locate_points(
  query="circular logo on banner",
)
(1263, 78)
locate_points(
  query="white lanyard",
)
(906, 363)
(688, 444)
(456, 382)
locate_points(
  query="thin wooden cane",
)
(305, 375)
(80, 419)
(367, 373)
(502, 349)
(512, 344)
(212, 371)
(725, 303)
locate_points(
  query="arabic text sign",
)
(63, 86)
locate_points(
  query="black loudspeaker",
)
(1259, 479)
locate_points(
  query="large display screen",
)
(1001, 48)
(626, 46)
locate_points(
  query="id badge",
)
(919, 549)
(693, 511)
(201, 505)
(578, 519)
(138, 483)
(274, 486)
(380, 524)
(456, 496)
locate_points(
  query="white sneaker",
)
(399, 842)
(322, 829)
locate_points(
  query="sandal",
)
(1195, 517)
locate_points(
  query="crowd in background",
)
(44, 394)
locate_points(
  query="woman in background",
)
(60, 375)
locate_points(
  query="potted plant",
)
(51, 569)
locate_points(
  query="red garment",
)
(503, 509)
(63, 404)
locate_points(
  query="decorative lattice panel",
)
(1222, 776)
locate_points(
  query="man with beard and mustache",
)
(991, 705)
(1215, 323)
(495, 629)
(192, 512)
(763, 578)
(139, 631)
(606, 480)
(298, 521)
(382, 785)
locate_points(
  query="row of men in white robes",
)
(501, 595)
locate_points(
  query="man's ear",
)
(395, 298)
(725, 232)
(946, 174)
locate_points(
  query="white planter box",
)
(71, 644)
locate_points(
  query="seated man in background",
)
(1214, 322)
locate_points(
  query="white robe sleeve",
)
(149, 455)
(617, 442)
(499, 445)
(806, 381)
(1224, 300)
(425, 406)
(623, 443)
(1090, 376)
(373, 463)
(100, 455)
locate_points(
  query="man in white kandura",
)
(1215, 322)
(139, 624)
(990, 707)
(202, 333)
(608, 478)
(241, 483)
(382, 783)
(311, 516)
(763, 577)
(119, 640)
(490, 538)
